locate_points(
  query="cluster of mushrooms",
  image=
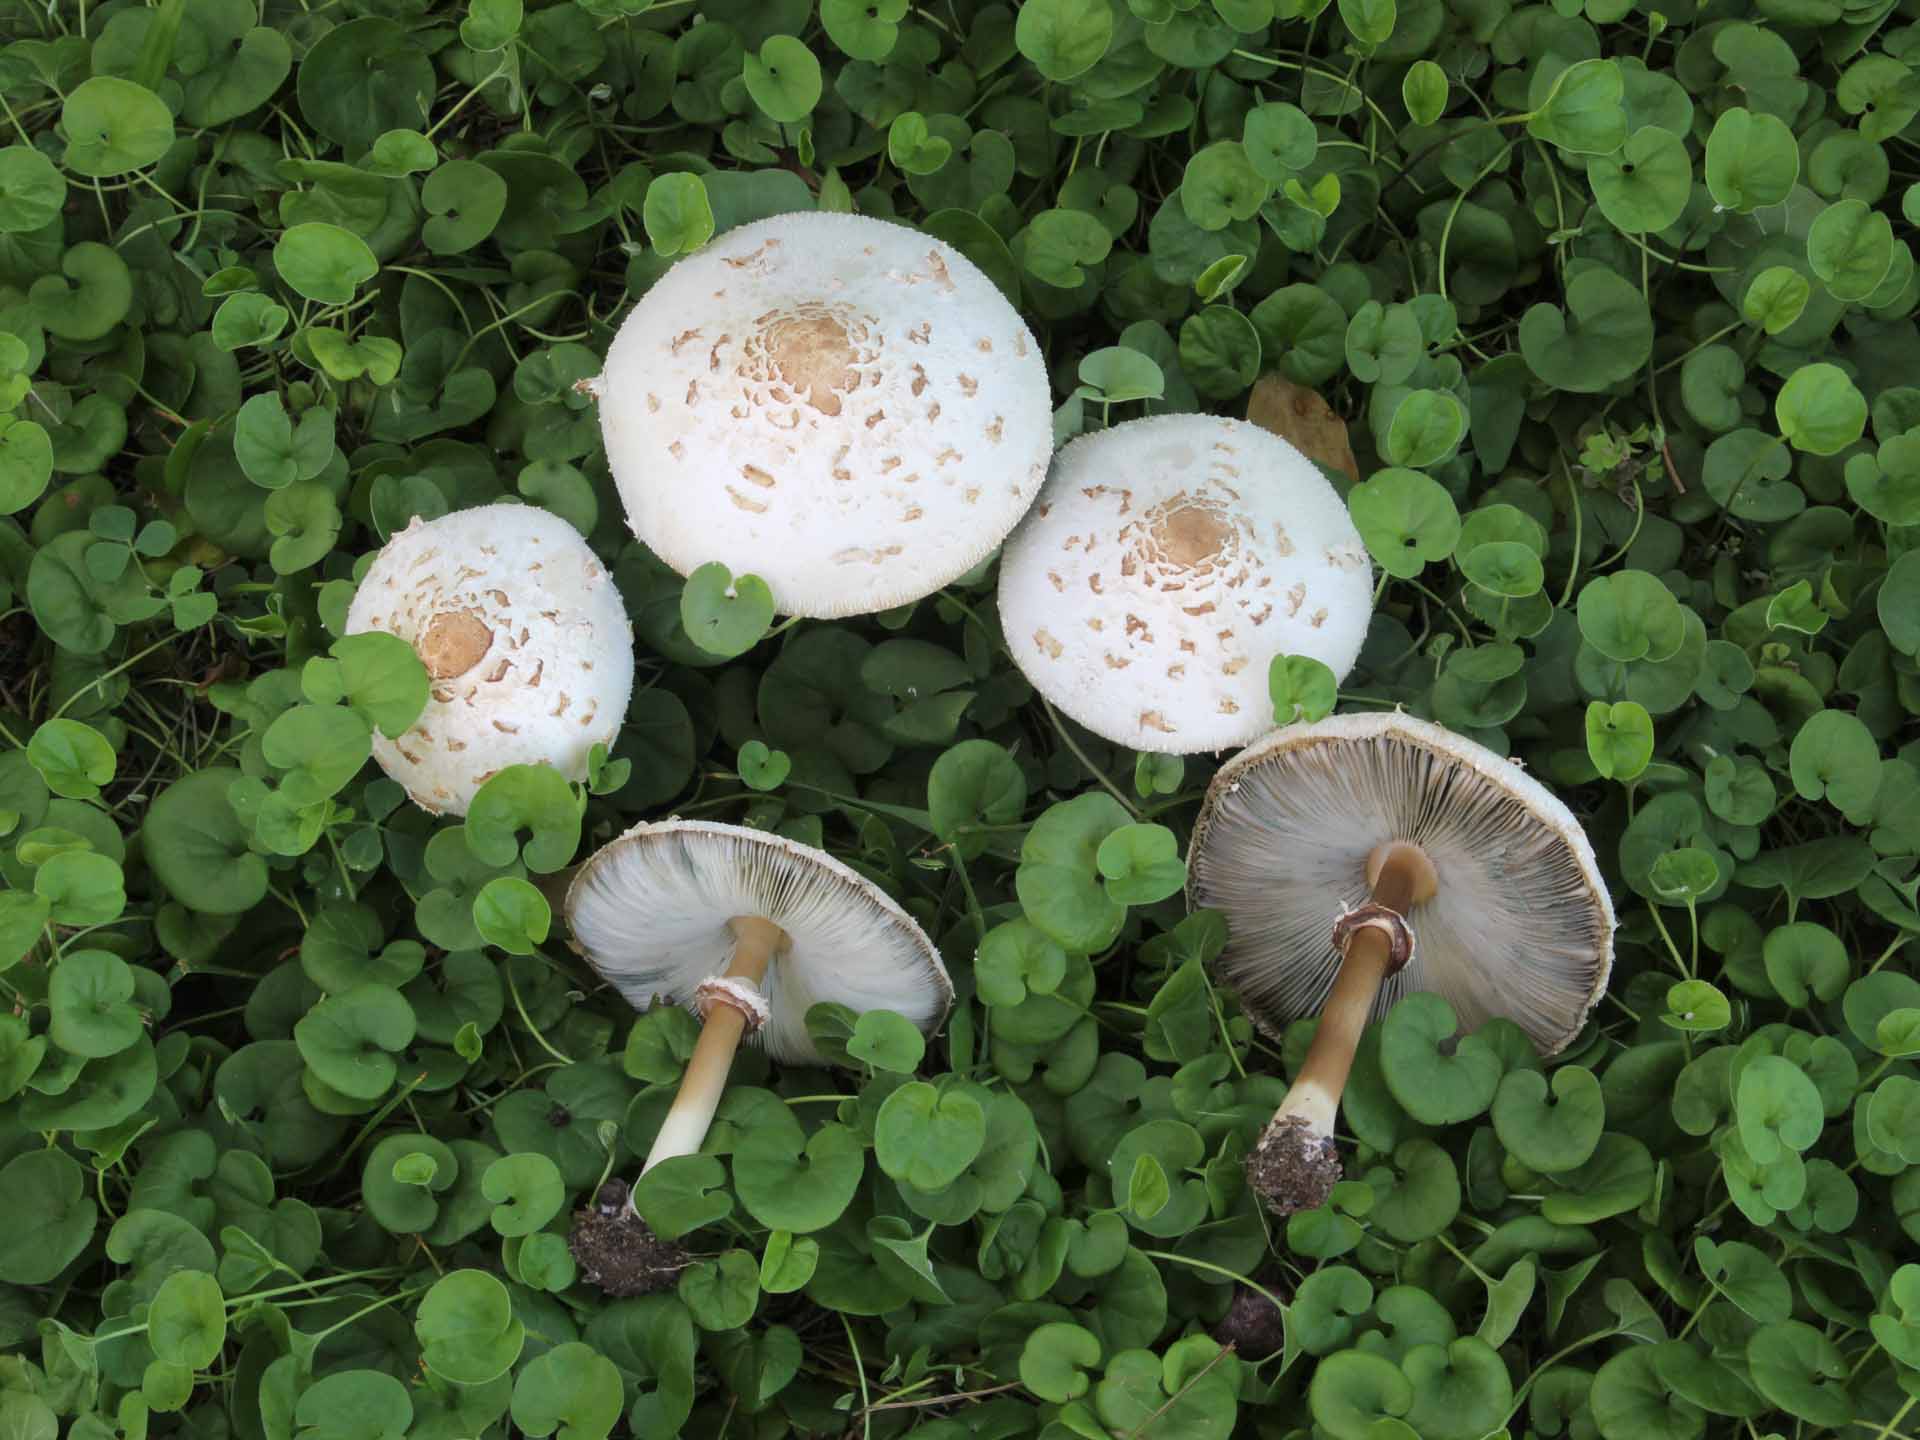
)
(853, 412)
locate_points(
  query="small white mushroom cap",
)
(843, 406)
(1521, 924)
(1166, 563)
(650, 912)
(524, 638)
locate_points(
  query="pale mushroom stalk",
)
(749, 930)
(1296, 1153)
(757, 943)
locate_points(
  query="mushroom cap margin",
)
(1341, 882)
(680, 936)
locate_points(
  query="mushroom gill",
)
(1515, 929)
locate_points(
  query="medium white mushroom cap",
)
(650, 912)
(524, 638)
(1166, 563)
(843, 406)
(1521, 925)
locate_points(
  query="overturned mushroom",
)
(1365, 857)
(525, 641)
(749, 930)
(1167, 562)
(843, 406)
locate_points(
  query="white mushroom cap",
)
(523, 636)
(1165, 565)
(1521, 924)
(843, 406)
(650, 911)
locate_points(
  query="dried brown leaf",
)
(1300, 417)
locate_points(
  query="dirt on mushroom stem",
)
(617, 1251)
(1293, 1168)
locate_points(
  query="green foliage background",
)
(297, 1091)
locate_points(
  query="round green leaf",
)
(90, 994)
(1064, 38)
(1819, 410)
(678, 215)
(113, 126)
(32, 190)
(1055, 1360)
(788, 1185)
(526, 1191)
(50, 1216)
(464, 201)
(467, 1329)
(1601, 337)
(323, 262)
(1550, 1134)
(1432, 1085)
(74, 759)
(1850, 247)
(724, 614)
(571, 1388)
(91, 294)
(1752, 160)
(349, 1040)
(783, 79)
(1643, 186)
(198, 848)
(1352, 1393)
(187, 1325)
(925, 1138)
(1802, 1372)
(1406, 519)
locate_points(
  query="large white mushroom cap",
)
(1166, 563)
(650, 911)
(1521, 924)
(843, 406)
(524, 638)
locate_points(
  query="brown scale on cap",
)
(807, 354)
(1190, 534)
(453, 643)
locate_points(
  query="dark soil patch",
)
(1253, 1325)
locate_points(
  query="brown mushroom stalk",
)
(1296, 1164)
(729, 1015)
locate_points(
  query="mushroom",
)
(525, 640)
(748, 930)
(843, 406)
(1165, 565)
(1364, 857)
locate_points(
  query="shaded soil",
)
(1292, 1168)
(617, 1252)
(1253, 1325)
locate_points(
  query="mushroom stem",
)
(1295, 1165)
(756, 943)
